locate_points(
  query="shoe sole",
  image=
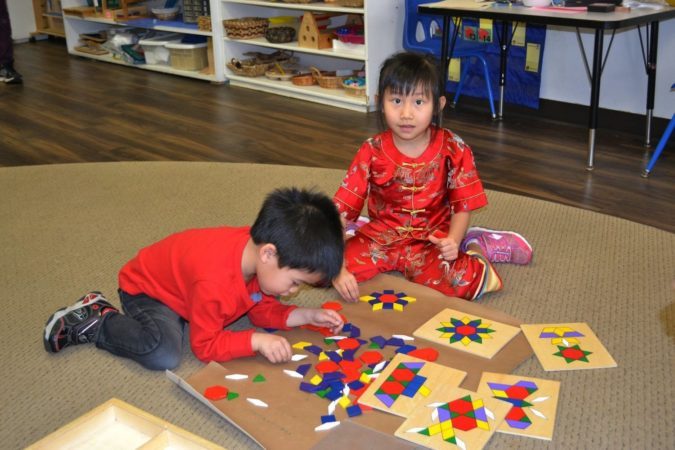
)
(56, 317)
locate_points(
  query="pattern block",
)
(533, 403)
(388, 300)
(472, 334)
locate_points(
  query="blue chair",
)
(423, 33)
(661, 145)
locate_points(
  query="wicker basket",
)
(204, 23)
(246, 27)
(303, 79)
(327, 80)
(351, 3)
(247, 67)
(280, 73)
(300, 1)
(280, 35)
(355, 86)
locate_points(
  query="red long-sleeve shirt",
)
(197, 273)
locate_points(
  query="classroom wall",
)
(624, 82)
(22, 19)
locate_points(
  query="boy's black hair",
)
(305, 227)
(402, 73)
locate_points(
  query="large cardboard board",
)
(534, 403)
(291, 415)
(567, 346)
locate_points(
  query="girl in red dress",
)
(421, 184)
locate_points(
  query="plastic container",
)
(351, 34)
(165, 13)
(155, 48)
(188, 56)
(540, 3)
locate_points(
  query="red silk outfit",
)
(408, 200)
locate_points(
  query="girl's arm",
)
(449, 245)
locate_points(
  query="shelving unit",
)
(48, 19)
(383, 28)
(76, 25)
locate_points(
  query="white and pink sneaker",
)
(500, 246)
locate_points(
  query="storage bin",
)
(155, 49)
(188, 56)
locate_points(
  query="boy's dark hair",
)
(402, 73)
(305, 227)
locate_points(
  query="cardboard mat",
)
(290, 416)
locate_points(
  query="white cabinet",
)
(75, 25)
(383, 28)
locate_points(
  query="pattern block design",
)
(533, 403)
(467, 333)
(456, 418)
(387, 299)
(406, 384)
(567, 346)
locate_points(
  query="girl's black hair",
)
(402, 73)
(305, 227)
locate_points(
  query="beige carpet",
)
(66, 229)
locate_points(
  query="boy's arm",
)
(326, 318)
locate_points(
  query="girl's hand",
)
(346, 285)
(275, 348)
(447, 246)
(325, 318)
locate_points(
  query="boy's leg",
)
(498, 246)
(149, 332)
(469, 276)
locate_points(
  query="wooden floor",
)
(72, 110)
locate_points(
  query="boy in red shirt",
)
(209, 278)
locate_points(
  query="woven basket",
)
(355, 86)
(303, 79)
(280, 35)
(204, 23)
(246, 27)
(247, 67)
(327, 80)
(300, 1)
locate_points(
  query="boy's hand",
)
(325, 318)
(275, 348)
(347, 286)
(447, 245)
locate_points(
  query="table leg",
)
(446, 56)
(503, 54)
(595, 95)
(651, 80)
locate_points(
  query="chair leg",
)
(659, 147)
(489, 87)
(462, 77)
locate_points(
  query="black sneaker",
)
(76, 324)
(9, 75)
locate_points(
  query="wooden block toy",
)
(314, 32)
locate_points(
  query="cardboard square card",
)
(567, 346)
(468, 333)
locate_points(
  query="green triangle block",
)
(259, 378)
(322, 393)
(424, 432)
(232, 395)
(373, 345)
